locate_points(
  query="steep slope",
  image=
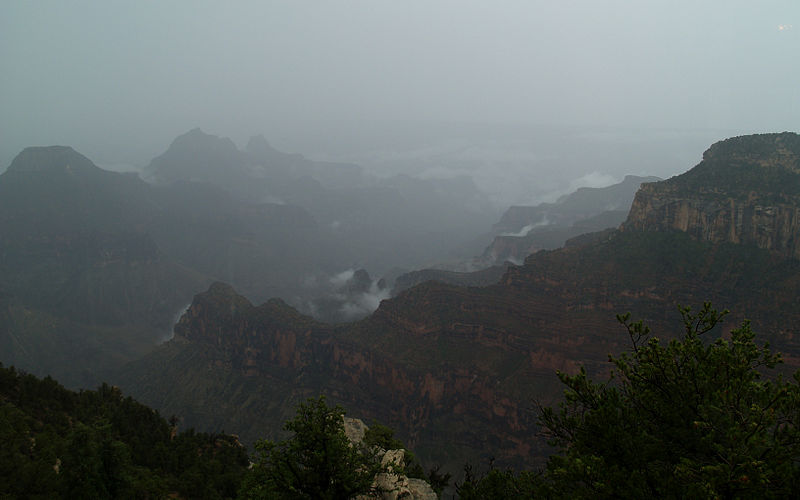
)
(97, 444)
(456, 369)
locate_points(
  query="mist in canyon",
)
(422, 210)
(389, 137)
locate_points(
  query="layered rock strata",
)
(745, 191)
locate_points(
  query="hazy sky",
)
(106, 74)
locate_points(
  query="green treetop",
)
(317, 462)
(690, 419)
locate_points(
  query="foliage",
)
(438, 480)
(498, 483)
(763, 163)
(383, 436)
(98, 444)
(317, 462)
(692, 418)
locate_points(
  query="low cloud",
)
(171, 334)
(365, 303)
(342, 278)
(527, 229)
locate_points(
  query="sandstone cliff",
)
(745, 191)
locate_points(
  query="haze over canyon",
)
(424, 211)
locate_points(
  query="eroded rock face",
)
(745, 191)
(275, 341)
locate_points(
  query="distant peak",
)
(197, 136)
(196, 142)
(220, 289)
(51, 159)
(224, 294)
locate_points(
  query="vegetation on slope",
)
(766, 164)
(318, 461)
(97, 444)
(693, 418)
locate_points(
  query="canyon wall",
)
(745, 191)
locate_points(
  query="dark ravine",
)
(456, 369)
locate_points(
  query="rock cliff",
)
(745, 191)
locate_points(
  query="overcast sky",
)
(106, 74)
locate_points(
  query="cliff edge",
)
(745, 191)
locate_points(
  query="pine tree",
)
(693, 418)
(317, 462)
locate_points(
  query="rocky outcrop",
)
(392, 484)
(745, 191)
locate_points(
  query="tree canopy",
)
(691, 417)
(316, 462)
(98, 444)
(694, 417)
